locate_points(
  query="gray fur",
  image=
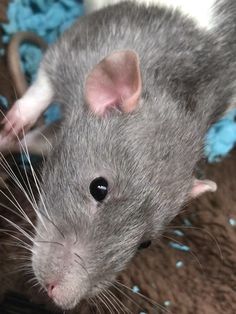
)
(147, 156)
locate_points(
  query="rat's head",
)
(103, 193)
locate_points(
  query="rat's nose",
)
(50, 288)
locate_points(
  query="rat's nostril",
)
(50, 288)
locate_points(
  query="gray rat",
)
(140, 86)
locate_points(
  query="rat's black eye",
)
(144, 245)
(99, 188)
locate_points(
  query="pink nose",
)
(50, 288)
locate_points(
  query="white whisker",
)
(34, 175)
(18, 228)
(190, 252)
(109, 301)
(204, 230)
(118, 302)
(144, 297)
(16, 238)
(25, 150)
(104, 302)
(128, 297)
(17, 206)
(19, 185)
(15, 213)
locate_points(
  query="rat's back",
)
(176, 56)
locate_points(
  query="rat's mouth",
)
(65, 304)
(64, 298)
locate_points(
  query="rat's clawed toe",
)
(11, 126)
(16, 122)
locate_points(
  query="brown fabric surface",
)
(3, 5)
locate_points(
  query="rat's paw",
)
(18, 121)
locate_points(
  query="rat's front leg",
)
(26, 110)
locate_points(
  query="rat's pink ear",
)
(114, 82)
(202, 186)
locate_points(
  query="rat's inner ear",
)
(114, 82)
(202, 186)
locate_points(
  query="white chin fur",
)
(199, 10)
(65, 306)
(65, 300)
